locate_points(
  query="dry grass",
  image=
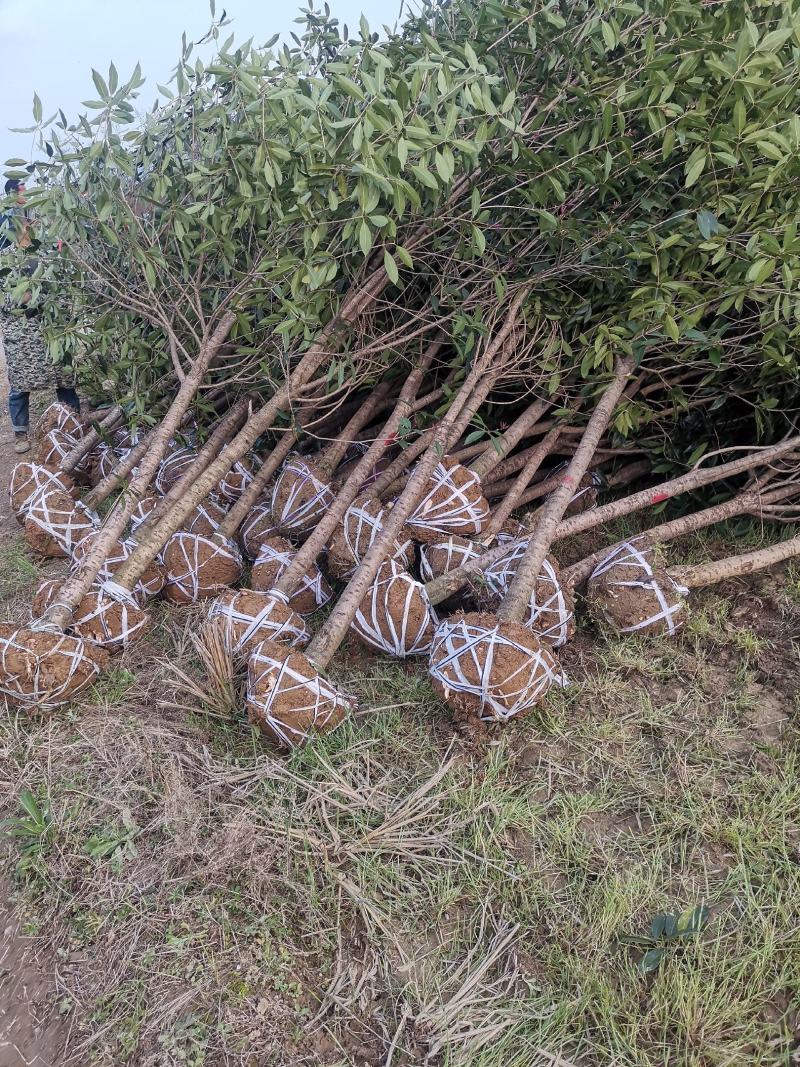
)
(395, 895)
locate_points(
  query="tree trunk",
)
(735, 566)
(513, 497)
(90, 439)
(515, 602)
(502, 446)
(78, 584)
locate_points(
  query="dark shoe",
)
(21, 442)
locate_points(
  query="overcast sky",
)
(50, 46)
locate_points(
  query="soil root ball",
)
(234, 483)
(108, 615)
(629, 594)
(58, 416)
(312, 590)
(199, 567)
(55, 523)
(453, 503)
(249, 617)
(30, 480)
(490, 670)
(300, 497)
(148, 585)
(441, 557)
(362, 523)
(205, 519)
(257, 528)
(551, 606)
(41, 670)
(288, 699)
(172, 469)
(54, 446)
(395, 615)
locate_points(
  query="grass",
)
(400, 895)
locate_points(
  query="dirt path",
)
(32, 1033)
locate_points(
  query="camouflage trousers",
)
(28, 361)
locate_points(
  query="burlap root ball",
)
(58, 416)
(257, 528)
(629, 594)
(205, 519)
(147, 586)
(287, 697)
(41, 670)
(172, 468)
(362, 522)
(108, 615)
(249, 617)
(453, 503)
(490, 670)
(231, 486)
(142, 510)
(441, 557)
(395, 615)
(312, 590)
(300, 497)
(30, 480)
(199, 567)
(55, 523)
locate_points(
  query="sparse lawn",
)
(397, 895)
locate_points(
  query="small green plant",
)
(31, 830)
(667, 930)
(115, 844)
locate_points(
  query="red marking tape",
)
(391, 439)
(658, 498)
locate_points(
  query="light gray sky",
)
(50, 46)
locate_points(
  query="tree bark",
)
(719, 570)
(515, 602)
(502, 446)
(90, 439)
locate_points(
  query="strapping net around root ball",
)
(55, 523)
(55, 446)
(551, 606)
(231, 486)
(257, 528)
(395, 615)
(199, 567)
(108, 615)
(626, 592)
(205, 519)
(453, 503)
(41, 670)
(441, 557)
(312, 590)
(288, 699)
(362, 522)
(30, 480)
(300, 497)
(148, 585)
(173, 468)
(58, 416)
(142, 511)
(494, 671)
(249, 617)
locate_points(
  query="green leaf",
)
(707, 223)
(390, 267)
(671, 328)
(37, 108)
(651, 959)
(364, 237)
(423, 175)
(695, 166)
(609, 37)
(472, 58)
(760, 270)
(100, 85)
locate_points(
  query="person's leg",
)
(67, 395)
(19, 410)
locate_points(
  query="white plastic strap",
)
(38, 688)
(462, 509)
(242, 626)
(186, 575)
(455, 555)
(66, 528)
(313, 697)
(313, 581)
(393, 588)
(361, 525)
(308, 498)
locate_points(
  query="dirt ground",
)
(32, 1033)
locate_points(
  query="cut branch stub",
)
(395, 615)
(300, 497)
(288, 700)
(249, 616)
(629, 594)
(489, 670)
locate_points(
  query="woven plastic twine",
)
(628, 555)
(41, 670)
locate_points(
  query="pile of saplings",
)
(417, 308)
